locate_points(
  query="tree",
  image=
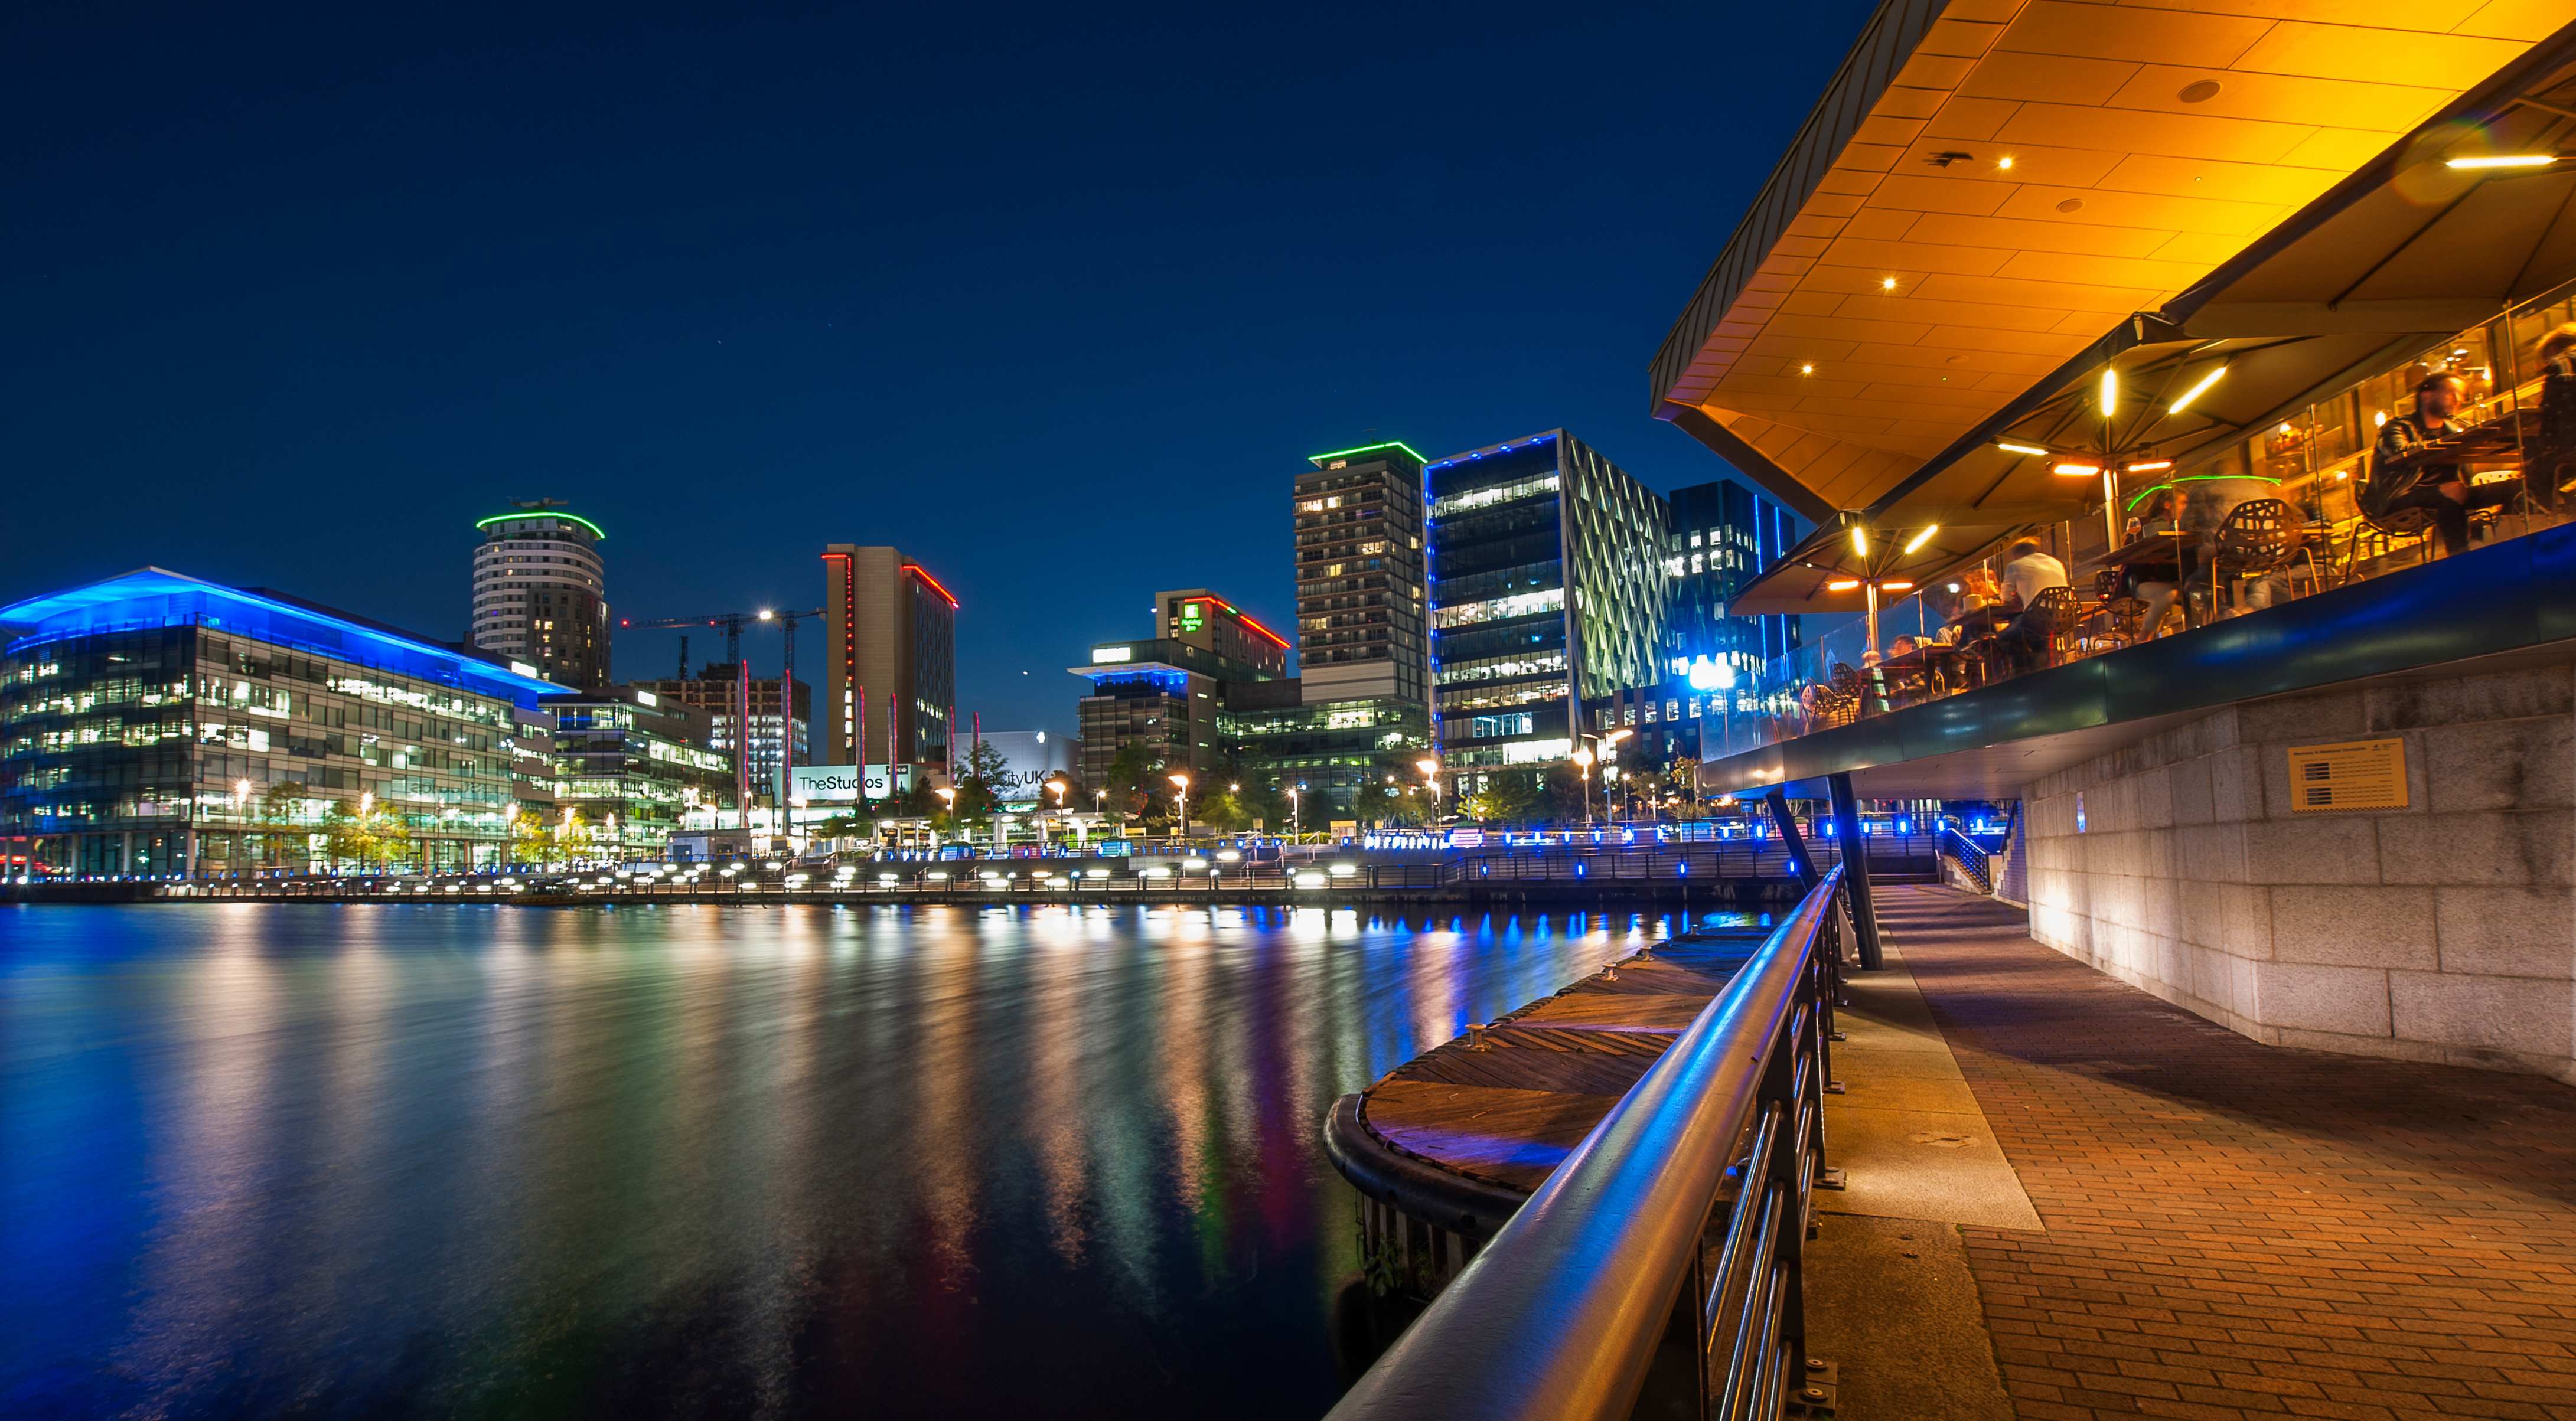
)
(1510, 796)
(983, 782)
(281, 805)
(846, 825)
(1129, 779)
(1222, 811)
(530, 837)
(1565, 793)
(344, 834)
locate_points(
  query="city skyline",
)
(655, 283)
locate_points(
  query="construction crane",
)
(733, 623)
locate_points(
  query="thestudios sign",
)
(831, 784)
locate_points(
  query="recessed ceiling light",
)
(2072, 204)
(1806, 370)
(1887, 283)
(2199, 91)
(2005, 164)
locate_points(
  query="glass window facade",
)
(1547, 588)
(630, 774)
(159, 726)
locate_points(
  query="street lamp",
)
(1585, 758)
(1184, 800)
(1295, 828)
(1430, 769)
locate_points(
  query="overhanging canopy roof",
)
(156, 596)
(1992, 189)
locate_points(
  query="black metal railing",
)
(1968, 855)
(1695, 1187)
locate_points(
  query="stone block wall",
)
(2442, 931)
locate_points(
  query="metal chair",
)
(2259, 535)
(2054, 614)
(2124, 622)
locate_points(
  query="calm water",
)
(702, 1161)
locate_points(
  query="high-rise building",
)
(1723, 535)
(889, 678)
(778, 726)
(1164, 692)
(1547, 590)
(541, 594)
(1359, 568)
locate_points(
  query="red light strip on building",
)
(1256, 626)
(918, 571)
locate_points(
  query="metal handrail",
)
(1560, 1316)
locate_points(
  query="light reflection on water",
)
(386, 1160)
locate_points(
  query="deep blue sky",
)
(1055, 301)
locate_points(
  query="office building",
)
(1164, 692)
(1359, 570)
(632, 767)
(541, 593)
(1547, 590)
(889, 670)
(1723, 536)
(154, 725)
(779, 717)
(1336, 754)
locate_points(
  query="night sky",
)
(1055, 301)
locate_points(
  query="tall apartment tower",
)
(541, 594)
(889, 677)
(1548, 589)
(1360, 588)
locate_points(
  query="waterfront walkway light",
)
(1184, 800)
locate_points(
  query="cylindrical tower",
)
(541, 593)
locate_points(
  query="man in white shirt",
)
(2030, 572)
(2027, 573)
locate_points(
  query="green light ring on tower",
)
(567, 517)
(1367, 449)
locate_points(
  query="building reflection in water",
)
(399, 1160)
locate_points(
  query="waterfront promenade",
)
(2062, 1197)
(2227, 1229)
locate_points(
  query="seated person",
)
(2546, 462)
(1902, 647)
(2159, 582)
(2399, 482)
(2028, 573)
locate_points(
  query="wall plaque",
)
(2357, 774)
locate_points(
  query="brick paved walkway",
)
(2238, 1230)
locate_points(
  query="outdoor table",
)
(2154, 548)
(1983, 621)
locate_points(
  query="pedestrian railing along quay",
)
(1695, 1189)
(1095, 879)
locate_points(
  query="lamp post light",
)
(1585, 758)
(1296, 830)
(1430, 769)
(1184, 800)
